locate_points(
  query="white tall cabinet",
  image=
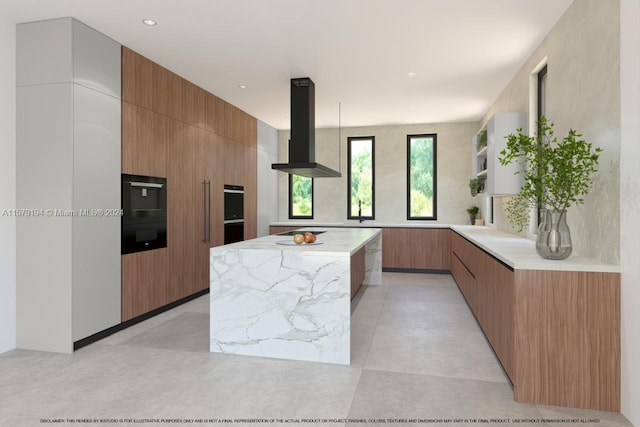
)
(68, 160)
(499, 180)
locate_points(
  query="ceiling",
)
(359, 53)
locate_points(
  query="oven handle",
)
(145, 184)
(233, 221)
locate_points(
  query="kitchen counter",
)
(520, 253)
(356, 224)
(290, 302)
(334, 241)
(514, 251)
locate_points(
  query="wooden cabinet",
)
(214, 114)
(144, 282)
(193, 102)
(181, 208)
(137, 79)
(241, 169)
(174, 129)
(144, 142)
(416, 248)
(556, 333)
(357, 270)
(167, 92)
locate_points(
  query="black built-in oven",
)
(144, 216)
(233, 213)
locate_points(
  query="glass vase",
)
(554, 237)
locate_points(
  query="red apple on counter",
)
(298, 239)
(309, 237)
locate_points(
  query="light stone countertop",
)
(515, 251)
(520, 253)
(334, 241)
(356, 224)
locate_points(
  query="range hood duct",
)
(302, 145)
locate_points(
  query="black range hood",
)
(302, 145)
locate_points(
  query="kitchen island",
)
(272, 298)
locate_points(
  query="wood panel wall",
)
(175, 129)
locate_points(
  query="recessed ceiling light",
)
(411, 74)
(242, 86)
(149, 22)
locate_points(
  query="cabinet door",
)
(181, 208)
(144, 282)
(167, 92)
(208, 221)
(137, 79)
(144, 142)
(250, 154)
(416, 248)
(498, 314)
(214, 114)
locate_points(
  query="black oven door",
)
(144, 216)
(233, 202)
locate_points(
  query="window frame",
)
(373, 176)
(434, 217)
(541, 110)
(313, 209)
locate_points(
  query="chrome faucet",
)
(360, 211)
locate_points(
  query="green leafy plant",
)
(556, 174)
(473, 210)
(476, 185)
(482, 141)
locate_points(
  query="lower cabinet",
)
(556, 333)
(357, 270)
(144, 282)
(416, 248)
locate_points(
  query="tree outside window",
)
(300, 197)
(361, 185)
(421, 176)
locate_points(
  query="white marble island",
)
(290, 302)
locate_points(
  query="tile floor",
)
(417, 354)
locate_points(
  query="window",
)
(542, 111)
(360, 178)
(300, 197)
(421, 176)
(542, 92)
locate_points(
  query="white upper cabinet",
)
(486, 147)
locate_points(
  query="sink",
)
(291, 233)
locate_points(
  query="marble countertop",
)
(334, 241)
(356, 224)
(515, 251)
(520, 253)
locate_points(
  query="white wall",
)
(267, 177)
(7, 185)
(629, 205)
(454, 170)
(583, 88)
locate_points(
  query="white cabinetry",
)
(499, 179)
(68, 169)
